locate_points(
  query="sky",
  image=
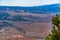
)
(27, 2)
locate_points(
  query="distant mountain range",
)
(53, 8)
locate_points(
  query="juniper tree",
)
(55, 32)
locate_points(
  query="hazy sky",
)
(27, 2)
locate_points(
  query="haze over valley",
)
(27, 22)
